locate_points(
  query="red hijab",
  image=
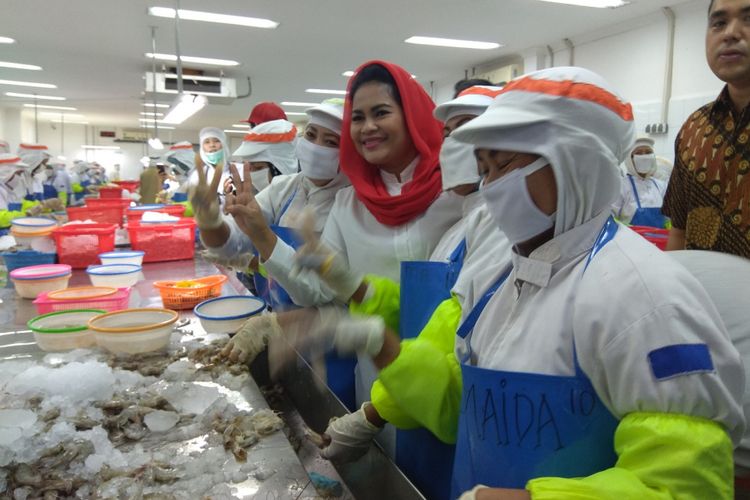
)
(426, 134)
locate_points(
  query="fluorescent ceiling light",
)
(31, 67)
(294, 103)
(47, 106)
(193, 59)
(5, 39)
(157, 105)
(449, 42)
(185, 106)
(91, 146)
(241, 125)
(599, 4)
(325, 91)
(151, 113)
(155, 143)
(34, 96)
(294, 113)
(210, 17)
(228, 131)
(164, 127)
(150, 120)
(28, 84)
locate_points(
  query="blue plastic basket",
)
(24, 258)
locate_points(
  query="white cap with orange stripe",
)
(472, 101)
(33, 154)
(573, 118)
(4, 147)
(182, 156)
(9, 165)
(271, 142)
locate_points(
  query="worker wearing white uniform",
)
(182, 158)
(35, 156)
(565, 391)
(4, 147)
(393, 212)
(641, 194)
(12, 189)
(61, 181)
(214, 152)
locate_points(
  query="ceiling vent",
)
(217, 89)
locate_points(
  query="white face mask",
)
(316, 161)
(510, 204)
(458, 165)
(260, 179)
(644, 164)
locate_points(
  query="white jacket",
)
(632, 300)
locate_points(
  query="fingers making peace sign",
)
(247, 213)
(205, 199)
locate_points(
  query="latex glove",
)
(329, 265)
(252, 338)
(350, 437)
(35, 210)
(205, 199)
(349, 334)
(239, 262)
(163, 196)
(472, 493)
(53, 204)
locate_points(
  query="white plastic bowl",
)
(26, 224)
(114, 275)
(227, 314)
(134, 331)
(124, 257)
(30, 289)
(64, 330)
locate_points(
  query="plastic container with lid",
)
(123, 257)
(134, 331)
(65, 330)
(227, 314)
(114, 275)
(85, 297)
(151, 238)
(187, 294)
(80, 244)
(34, 280)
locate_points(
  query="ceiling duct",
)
(218, 89)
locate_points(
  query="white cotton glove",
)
(472, 493)
(351, 437)
(252, 338)
(350, 334)
(239, 262)
(35, 210)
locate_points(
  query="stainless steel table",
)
(302, 403)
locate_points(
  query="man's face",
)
(727, 41)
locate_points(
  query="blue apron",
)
(646, 216)
(49, 192)
(515, 426)
(339, 370)
(34, 197)
(15, 207)
(80, 195)
(426, 460)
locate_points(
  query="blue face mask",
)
(215, 156)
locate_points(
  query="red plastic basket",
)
(100, 215)
(655, 235)
(114, 302)
(129, 185)
(122, 203)
(174, 210)
(163, 241)
(110, 192)
(79, 245)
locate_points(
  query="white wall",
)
(631, 56)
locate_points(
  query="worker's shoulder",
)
(345, 197)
